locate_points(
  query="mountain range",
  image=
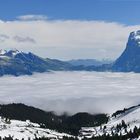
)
(14, 62)
(17, 63)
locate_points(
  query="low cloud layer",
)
(73, 91)
(65, 39)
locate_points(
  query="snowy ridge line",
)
(120, 124)
(126, 113)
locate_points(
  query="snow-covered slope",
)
(26, 129)
(119, 124)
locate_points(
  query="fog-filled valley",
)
(72, 92)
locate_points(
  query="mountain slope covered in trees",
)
(21, 121)
(62, 123)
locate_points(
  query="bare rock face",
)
(129, 61)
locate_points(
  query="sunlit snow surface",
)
(73, 91)
(130, 117)
(26, 129)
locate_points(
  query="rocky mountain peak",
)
(130, 58)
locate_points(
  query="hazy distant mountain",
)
(88, 62)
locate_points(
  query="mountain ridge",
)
(14, 62)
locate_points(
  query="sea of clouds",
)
(72, 92)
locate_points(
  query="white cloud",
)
(32, 17)
(67, 39)
(24, 39)
(73, 92)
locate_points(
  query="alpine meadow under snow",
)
(73, 92)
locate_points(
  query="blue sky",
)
(68, 29)
(123, 11)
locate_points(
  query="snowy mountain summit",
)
(10, 53)
(3, 52)
(135, 36)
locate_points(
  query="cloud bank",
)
(65, 39)
(73, 92)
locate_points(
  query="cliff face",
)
(130, 58)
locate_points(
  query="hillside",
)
(64, 123)
(122, 123)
